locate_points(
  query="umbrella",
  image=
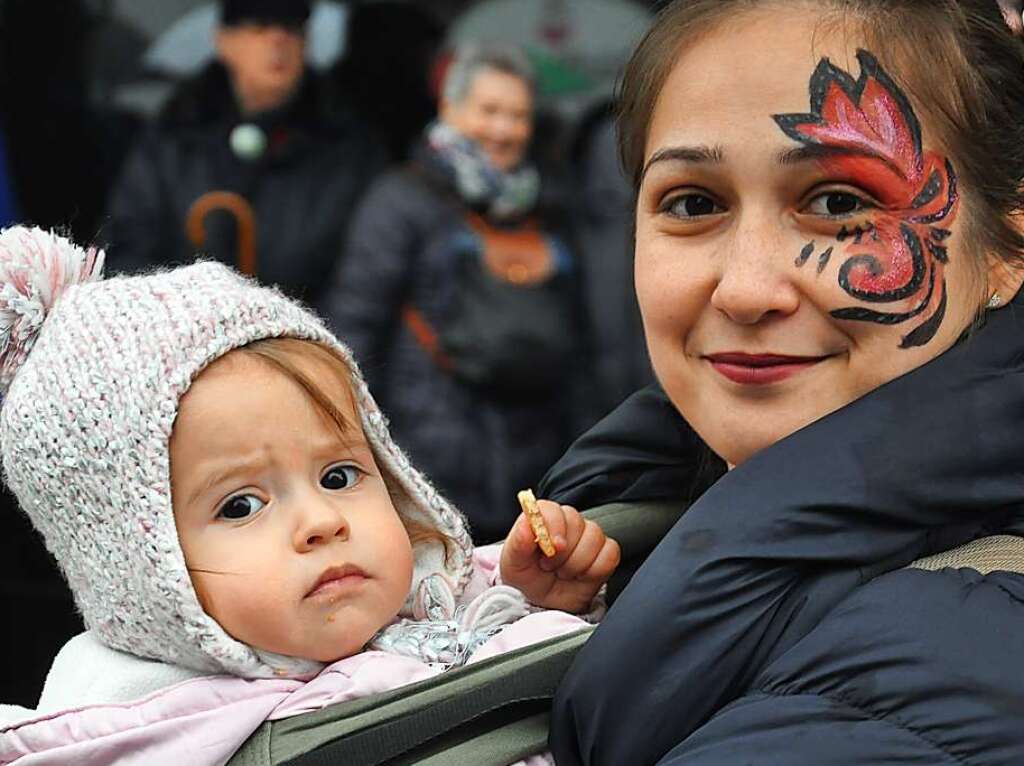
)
(240, 208)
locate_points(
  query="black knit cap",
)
(286, 12)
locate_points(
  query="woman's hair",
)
(286, 355)
(473, 58)
(957, 58)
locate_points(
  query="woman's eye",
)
(837, 204)
(340, 477)
(691, 206)
(241, 507)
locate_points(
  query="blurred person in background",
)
(256, 122)
(460, 297)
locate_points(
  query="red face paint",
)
(868, 132)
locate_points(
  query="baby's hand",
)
(584, 559)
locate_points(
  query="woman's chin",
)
(505, 162)
(738, 437)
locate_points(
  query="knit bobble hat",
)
(91, 374)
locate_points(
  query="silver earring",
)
(994, 302)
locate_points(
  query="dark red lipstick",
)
(760, 369)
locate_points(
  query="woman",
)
(459, 295)
(820, 223)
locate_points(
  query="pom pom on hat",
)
(36, 267)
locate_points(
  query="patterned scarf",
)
(503, 195)
(449, 637)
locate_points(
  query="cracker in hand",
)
(533, 515)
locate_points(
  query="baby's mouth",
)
(335, 582)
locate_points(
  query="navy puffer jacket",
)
(777, 623)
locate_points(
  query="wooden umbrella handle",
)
(245, 218)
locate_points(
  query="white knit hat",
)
(91, 372)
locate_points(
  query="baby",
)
(237, 527)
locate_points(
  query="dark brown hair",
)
(957, 59)
(287, 356)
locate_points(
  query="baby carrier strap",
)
(1002, 553)
(491, 712)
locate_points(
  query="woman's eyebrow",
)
(817, 152)
(691, 154)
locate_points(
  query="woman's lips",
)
(760, 369)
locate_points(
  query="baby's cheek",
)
(245, 609)
(202, 592)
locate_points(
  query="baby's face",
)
(288, 530)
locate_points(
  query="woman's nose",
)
(504, 127)
(321, 522)
(753, 281)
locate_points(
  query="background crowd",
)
(439, 180)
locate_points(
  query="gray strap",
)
(998, 553)
(637, 527)
(503, 745)
(256, 750)
(383, 728)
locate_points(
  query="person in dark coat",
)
(259, 123)
(828, 264)
(413, 298)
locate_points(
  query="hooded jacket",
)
(318, 161)
(777, 622)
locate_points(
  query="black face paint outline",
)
(925, 249)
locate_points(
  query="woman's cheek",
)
(669, 285)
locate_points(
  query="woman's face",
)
(800, 233)
(497, 113)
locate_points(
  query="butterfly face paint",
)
(866, 132)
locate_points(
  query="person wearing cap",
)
(260, 123)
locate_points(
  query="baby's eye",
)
(241, 507)
(837, 204)
(340, 477)
(690, 206)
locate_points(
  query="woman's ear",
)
(1012, 13)
(1005, 277)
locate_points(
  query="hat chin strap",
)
(285, 666)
